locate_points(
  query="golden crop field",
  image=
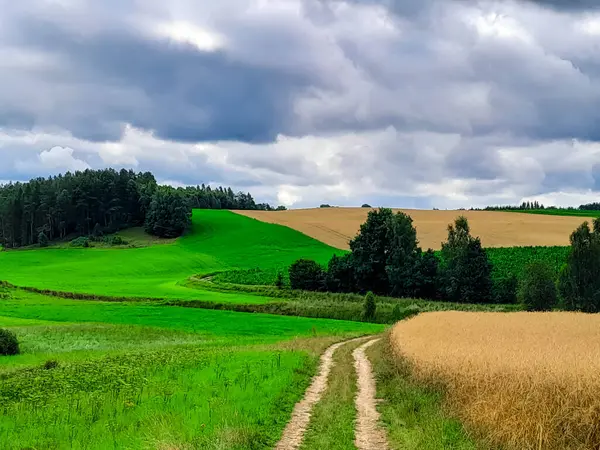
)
(519, 380)
(336, 226)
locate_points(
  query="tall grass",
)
(520, 381)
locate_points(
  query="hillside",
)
(336, 226)
(218, 240)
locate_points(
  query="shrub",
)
(42, 239)
(538, 291)
(80, 242)
(279, 281)
(505, 290)
(9, 345)
(365, 205)
(369, 307)
(340, 274)
(115, 240)
(50, 364)
(307, 275)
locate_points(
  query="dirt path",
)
(293, 434)
(369, 435)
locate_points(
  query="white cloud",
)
(189, 33)
(61, 158)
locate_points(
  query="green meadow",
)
(218, 241)
(101, 375)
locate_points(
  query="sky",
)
(416, 104)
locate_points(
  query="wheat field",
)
(518, 381)
(336, 226)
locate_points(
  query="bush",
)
(115, 240)
(505, 290)
(9, 345)
(307, 275)
(42, 239)
(365, 205)
(279, 281)
(50, 364)
(538, 291)
(340, 274)
(369, 307)
(80, 242)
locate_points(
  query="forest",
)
(103, 201)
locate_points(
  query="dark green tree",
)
(403, 255)
(169, 214)
(537, 291)
(340, 274)
(426, 276)
(579, 280)
(369, 307)
(43, 239)
(370, 251)
(307, 275)
(465, 268)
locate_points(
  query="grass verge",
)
(413, 414)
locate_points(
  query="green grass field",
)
(147, 376)
(218, 241)
(560, 212)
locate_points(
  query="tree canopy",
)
(94, 202)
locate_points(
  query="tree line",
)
(535, 205)
(385, 259)
(104, 201)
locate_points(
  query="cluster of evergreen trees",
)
(525, 206)
(522, 207)
(385, 259)
(84, 203)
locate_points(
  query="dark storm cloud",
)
(181, 93)
(406, 98)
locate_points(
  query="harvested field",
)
(519, 380)
(336, 226)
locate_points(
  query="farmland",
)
(336, 226)
(520, 380)
(174, 360)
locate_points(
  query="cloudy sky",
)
(410, 103)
